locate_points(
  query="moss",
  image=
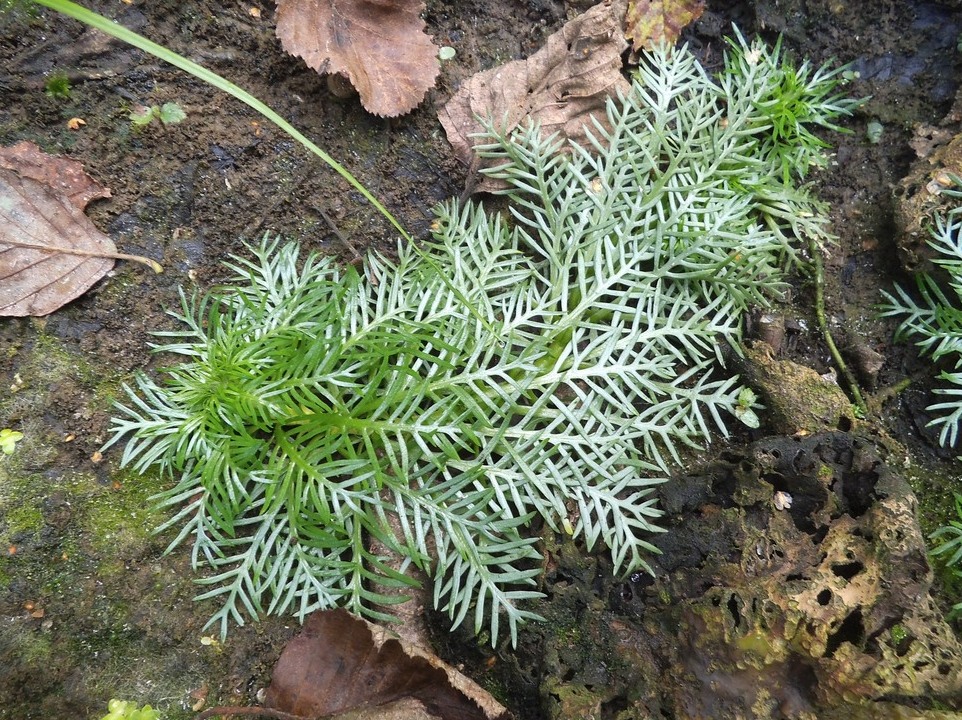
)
(898, 634)
(572, 701)
(933, 484)
(121, 514)
(797, 398)
(19, 520)
(35, 647)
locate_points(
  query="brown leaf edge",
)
(306, 674)
(64, 177)
(650, 22)
(379, 47)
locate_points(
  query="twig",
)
(882, 396)
(345, 241)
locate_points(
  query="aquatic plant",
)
(934, 319)
(552, 365)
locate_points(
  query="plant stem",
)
(98, 21)
(876, 401)
(818, 272)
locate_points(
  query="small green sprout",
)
(743, 408)
(446, 53)
(9, 439)
(899, 634)
(57, 86)
(169, 114)
(791, 102)
(126, 710)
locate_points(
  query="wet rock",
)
(866, 361)
(820, 609)
(57, 511)
(796, 398)
(922, 193)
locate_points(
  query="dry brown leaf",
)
(34, 280)
(379, 45)
(650, 23)
(50, 252)
(561, 87)
(343, 666)
(63, 176)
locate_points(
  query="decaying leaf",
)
(379, 45)
(63, 176)
(340, 663)
(560, 87)
(650, 23)
(50, 252)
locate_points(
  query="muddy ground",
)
(89, 607)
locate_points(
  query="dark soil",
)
(91, 608)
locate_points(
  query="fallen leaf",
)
(379, 45)
(561, 87)
(75, 123)
(649, 23)
(341, 664)
(35, 280)
(199, 696)
(50, 252)
(64, 176)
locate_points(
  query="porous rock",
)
(796, 398)
(820, 609)
(921, 194)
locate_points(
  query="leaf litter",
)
(50, 252)
(340, 664)
(650, 23)
(379, 45)
(563, 87)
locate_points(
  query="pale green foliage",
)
(791, 102)
(170, 113)
(552, 366)
(948, 547)
(936, 319)
(8, 440)
(950, 537)
(127, 710)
